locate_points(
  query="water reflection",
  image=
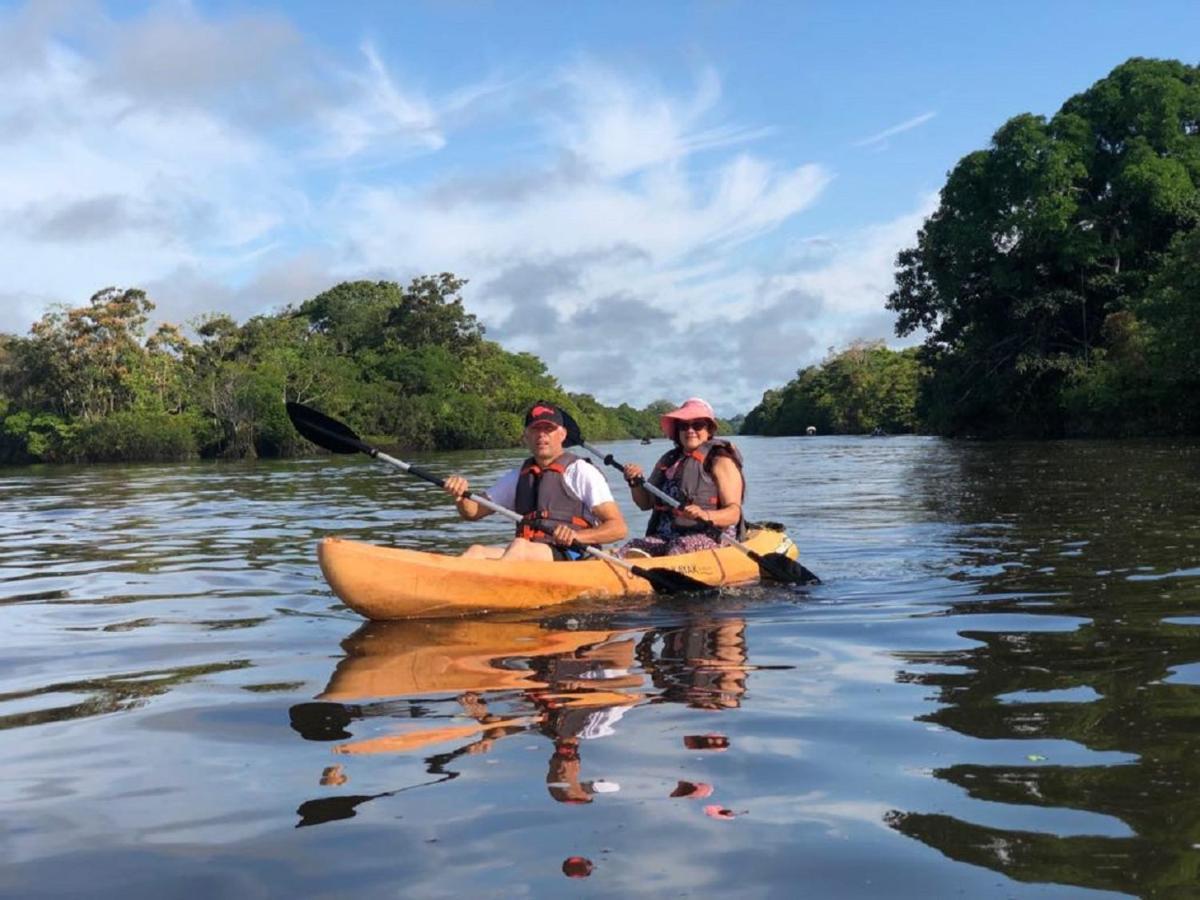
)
(1107, 732)
(504, 678)
(114, 693)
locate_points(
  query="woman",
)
(702, 472)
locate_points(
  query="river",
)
(994, 693)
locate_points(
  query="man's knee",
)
(481, 551)
(521, 548)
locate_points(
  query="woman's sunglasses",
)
(696, 425)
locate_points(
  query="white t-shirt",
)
(581, 479)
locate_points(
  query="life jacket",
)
(688, 478)
(542, 497)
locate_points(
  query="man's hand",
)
(456, 486)
(564, 535)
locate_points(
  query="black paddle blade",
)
(668, 581)
(574, 435)
(779, 567)
(334, 436)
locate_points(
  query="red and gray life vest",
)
(688, 478)
(542, 497)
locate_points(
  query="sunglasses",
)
(696, 425)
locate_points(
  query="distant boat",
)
(810, 430)
(878, 432)
(645, 440)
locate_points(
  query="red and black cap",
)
(543, 412)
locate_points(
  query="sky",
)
(661, 200)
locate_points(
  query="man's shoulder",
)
(584, 468)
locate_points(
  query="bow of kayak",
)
(392, 583)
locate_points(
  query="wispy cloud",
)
(614, 226)
(908, 125)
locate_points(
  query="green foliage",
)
(408, 367)
(1171, 310)
(862, 388)
(1037, 242)
(364, 315)
(135, 434)
(36, 437)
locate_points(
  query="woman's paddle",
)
(776, 566)
(337, 437)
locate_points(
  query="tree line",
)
(1057, 285)
(1058, 281)
(408, 367)
(862, 389)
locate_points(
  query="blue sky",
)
(660, 199)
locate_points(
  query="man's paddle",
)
(776, 566)
(337, 437)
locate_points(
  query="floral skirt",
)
(672, 546)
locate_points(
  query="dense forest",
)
(1058, 279)
(1057, 283)
(407, 366)
(865, 388)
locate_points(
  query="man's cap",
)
(543, 412)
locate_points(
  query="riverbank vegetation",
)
(408, 366)
(1057, 283)
(862, 389)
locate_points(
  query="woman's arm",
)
(633, 477)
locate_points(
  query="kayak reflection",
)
(469, 683)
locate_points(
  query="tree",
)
(365, 315)
(1040, 238)
(861, 388)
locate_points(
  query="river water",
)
(995, 692)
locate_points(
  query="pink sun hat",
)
(693, 408)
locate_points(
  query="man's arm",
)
(587, 483)
(456, 486)
(610, 527)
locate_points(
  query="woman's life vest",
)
(542, 497)
(688, 478)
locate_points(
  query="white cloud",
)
(619, 126)
(619, 240)
(381, 115)
(904, 126)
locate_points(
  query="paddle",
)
(337, 437)
(776, 566)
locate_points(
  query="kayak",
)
(454, 656)
(390, 583)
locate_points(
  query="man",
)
(552, 487)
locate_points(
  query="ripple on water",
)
(992, 688)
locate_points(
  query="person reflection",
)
(570, 686)
(583, 699)
(583, 702)
(702, 664)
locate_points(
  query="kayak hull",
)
(382, 583)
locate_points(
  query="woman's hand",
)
(695, 513)
(633, 475)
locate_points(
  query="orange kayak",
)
(389, 583)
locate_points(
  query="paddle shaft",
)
(488, 504)
(666, 498)
(339, 438)
(776, 565)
